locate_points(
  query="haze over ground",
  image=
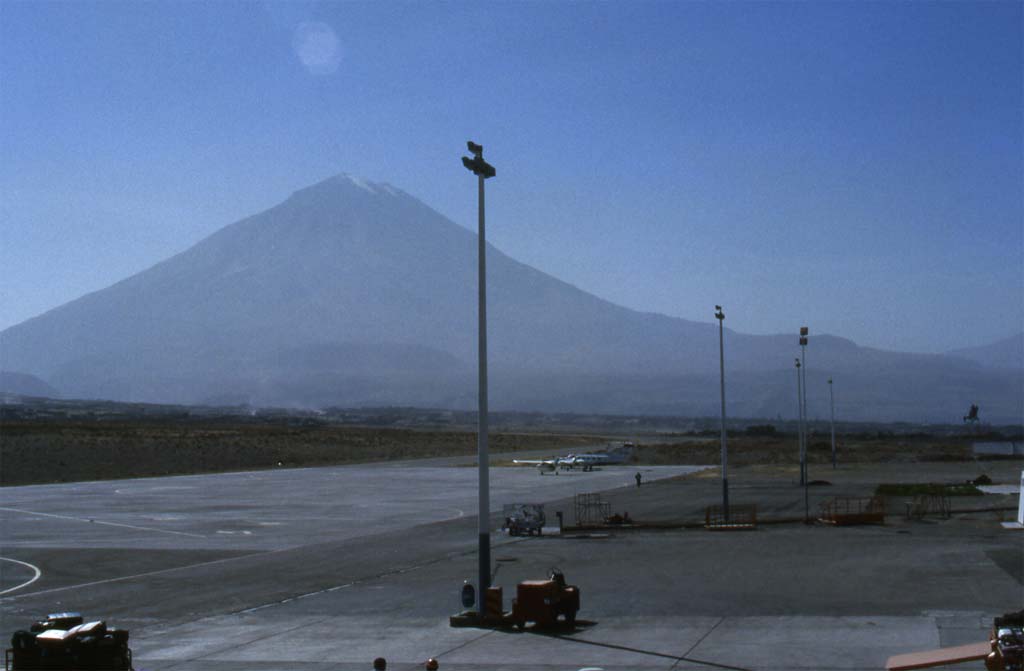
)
(855, 167)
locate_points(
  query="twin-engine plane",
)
(586, 462)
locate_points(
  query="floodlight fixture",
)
(477, 165)
(803, 330)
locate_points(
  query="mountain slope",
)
(351, 293)
(1007, 353)
(25, 385)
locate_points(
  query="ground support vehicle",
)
(543, 601)
(524, 519)
(1004, 651)
(1007, 642)
(64, 642)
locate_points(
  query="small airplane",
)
(547, 465)
(617, 455)
(586, 462)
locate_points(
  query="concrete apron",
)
(236, 642)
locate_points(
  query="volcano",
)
(355, 293)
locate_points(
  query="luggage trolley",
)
(65, 642)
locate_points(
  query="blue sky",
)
(856, 167)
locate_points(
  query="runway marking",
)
(147, 490)
(109, 524)
(143, 575)
(24, 584)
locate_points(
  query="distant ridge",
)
(1007, 354)
(25, 385)
(354, 293)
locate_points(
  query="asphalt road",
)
(328, 568)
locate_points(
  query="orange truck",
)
(544, 601)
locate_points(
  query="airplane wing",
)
(553, 461)
(542, 465)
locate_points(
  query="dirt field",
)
(783, 449)
(40, 452)
(36, 451)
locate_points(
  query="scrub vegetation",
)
(927, 489)
(779, 448)
(49, 451)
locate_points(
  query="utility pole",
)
(720, 316)
(482, 170)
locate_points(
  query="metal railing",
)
(853, 510)
(590, 509)
(743, 516)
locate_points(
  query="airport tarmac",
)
(328, 568)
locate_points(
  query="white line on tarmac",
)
(460, 511)
(24, 584)
(146, 574)
(109, 524)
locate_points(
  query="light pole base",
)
(725, 498)
(807, 505)
(485, 568)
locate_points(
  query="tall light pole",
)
(720, 316)
(832, 410)
(801, 390)
(479, 167)
(800, 419)
(803, 407)
(803, 399)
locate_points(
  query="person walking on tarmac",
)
(638, 478)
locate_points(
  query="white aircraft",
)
(618, 455)
(547, 465)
